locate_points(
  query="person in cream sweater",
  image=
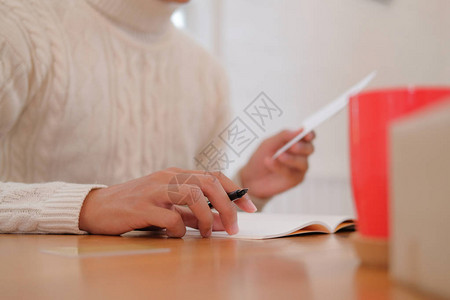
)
(103, 103)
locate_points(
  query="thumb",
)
(285, 136)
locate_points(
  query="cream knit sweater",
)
(94, 93)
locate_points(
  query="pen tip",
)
(242, 192)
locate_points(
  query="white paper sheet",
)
(326, 112)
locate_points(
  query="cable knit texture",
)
(92, 96)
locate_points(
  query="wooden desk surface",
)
(306, 267)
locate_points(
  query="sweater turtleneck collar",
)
(147, 19)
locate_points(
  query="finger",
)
(310, 136)
(212, 188)
(302, 148)
(245, 203)
(190, 219)
(195, 200)
(291, 175)
(276, 166)
(165, 218)
(216, 194)
(295, 162)
(284, 136)
(276, 141)
(217, 224)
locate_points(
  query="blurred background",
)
(304, 53)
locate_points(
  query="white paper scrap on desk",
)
(266, 226)
(327, 112)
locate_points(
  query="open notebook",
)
(267, 226)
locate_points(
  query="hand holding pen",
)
(145, 202)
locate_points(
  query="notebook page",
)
(264, 225)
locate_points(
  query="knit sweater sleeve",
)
(52, 207)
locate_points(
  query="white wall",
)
(303, 53)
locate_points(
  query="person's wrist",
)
(245, 180)
(84, 219)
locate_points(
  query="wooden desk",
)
(307, 267)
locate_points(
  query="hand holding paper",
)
(326, 112)
(265, 176)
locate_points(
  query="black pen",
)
(237, 194)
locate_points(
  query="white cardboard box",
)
(420, 200)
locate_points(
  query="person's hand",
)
(170, 199)
(265, 177)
